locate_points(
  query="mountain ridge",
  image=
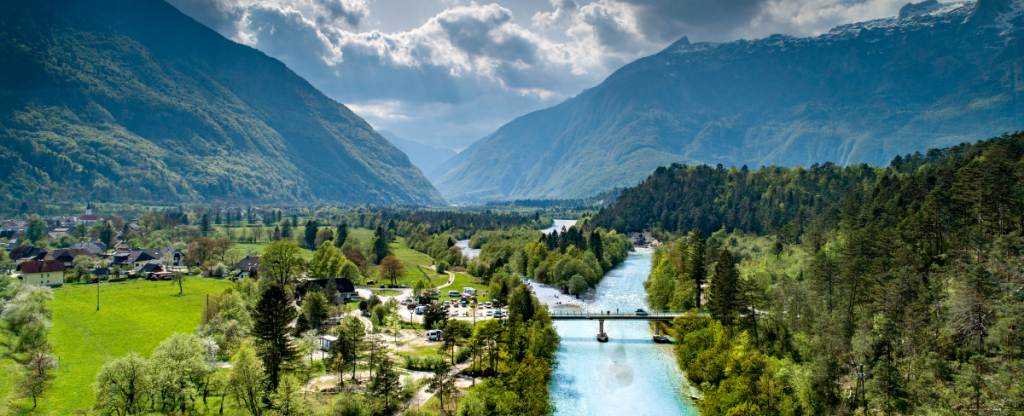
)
(425, 157)
(137, 102)
(862, 92)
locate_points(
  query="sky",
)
(448, 72)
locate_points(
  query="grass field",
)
(243, 249)
(465, 280)
(133, 317)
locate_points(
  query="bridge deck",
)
(652, 316)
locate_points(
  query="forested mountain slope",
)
(876, 291)
(131, 100)
(937, 75)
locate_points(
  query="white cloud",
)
(469, 68)
(385, 110)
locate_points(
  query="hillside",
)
(133, 101)
(427, 158)
(936, 75)
(840, 279)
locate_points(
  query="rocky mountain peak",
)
(914, 9)
(992, 11)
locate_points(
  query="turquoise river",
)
(629, 375)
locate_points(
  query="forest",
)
(844, 290)
(573, 260)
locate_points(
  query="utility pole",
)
(97, 294)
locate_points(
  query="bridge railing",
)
(606, 313)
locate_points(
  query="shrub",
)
(220, 270)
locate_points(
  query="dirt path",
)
(423, 395)
(451, 279)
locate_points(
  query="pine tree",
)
(341, 235)
(380, 249)
(724, 289)
(698, 270)
(205, 225)
(596, 246)
(385, 382)
(349, 346)
(310, 233)
(270, 327)
(286, 230)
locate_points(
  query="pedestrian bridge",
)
(609, 315)
(600, 316)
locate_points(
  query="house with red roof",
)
(42, 272)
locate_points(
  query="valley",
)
(673, 208)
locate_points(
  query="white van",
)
(435, 335)
(468, 291)
(453, 294)
(420, 310)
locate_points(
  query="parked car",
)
(435, 335)
(453, 293)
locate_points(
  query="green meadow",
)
(132, 317)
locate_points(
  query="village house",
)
(18, 227)
(249, 266)
(94, 246)
(25, 253)
(66, 255)
(100, 275)
(9, 234)
(170, 256)
(42, 272)
(344, 288)
(57, 233)
(155, 271)
(139, 258)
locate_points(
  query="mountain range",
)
(427, 158)
(936, 75)
(131, 100)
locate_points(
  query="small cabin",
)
(326, 341)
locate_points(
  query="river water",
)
(628, 375)
(558, 225)
(472, 253)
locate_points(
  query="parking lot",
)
(455, 310)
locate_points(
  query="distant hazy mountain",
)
(131, 100)
(427, 158)
(936, 75)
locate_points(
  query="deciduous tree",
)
(391, 268)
